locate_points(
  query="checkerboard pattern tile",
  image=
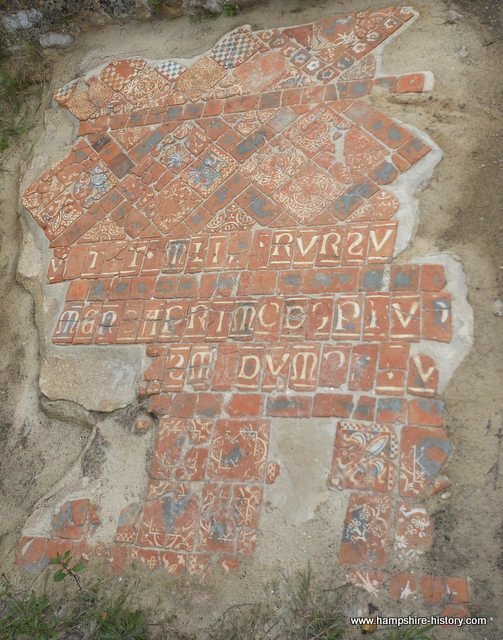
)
(235, 49)
(170, 69)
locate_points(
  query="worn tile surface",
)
(237, 215)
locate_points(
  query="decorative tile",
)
(413, 532)
(232, 218)
(239, 450)
(103, 231)
(317, 129)
(92, 185)
(58, 215)
(172, 205)
(181, 449)
(365, 536)
(145, 89)
(209, 171)
(423, 452)
(262, 72)
(170, 522)
(363, 457)
(308, 194)
(170, 69)
(199, 78)
(118, 73)
(225, 510)
(227, 87)
(274, 166)
(235, 48)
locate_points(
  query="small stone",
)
(22, 20)
(143, 424)
(498, 308)
(53, 39)
(453, 16)
(446, 495)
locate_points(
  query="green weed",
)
(115, 621)
(26, 617)
(22, 77)
(67, 568)
(408, 633)
(230, 9)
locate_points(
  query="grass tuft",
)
(22, 78)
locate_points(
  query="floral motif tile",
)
(364, 457)
(365, 536)
(413, 535)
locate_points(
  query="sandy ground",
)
(460, 213)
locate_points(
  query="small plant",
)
(116, 622)
(324, 626)
(66, 569)
(26, 616)
(408, 633)
(230, 9)
(22, 78)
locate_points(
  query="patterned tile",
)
(365, 536)
(170, 69)
(262, 72)
(170, 522)
(274, 166)
(145, 89)
(232, 218)
(235, 48)
(199, 78)
(172, 205)
(307, 194)
(413, 532)
(209, 171)
(363, 457)
(118, 74)
(423, 452)
(239, 450)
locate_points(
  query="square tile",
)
(365, 536)
(209, 171)
(306, 195)
(363, 457)
(423, 452)
(239, 450)
(235, 48)
(181, 449)
(170, 69)
(170, 522)
(172, 205)
(199, 78)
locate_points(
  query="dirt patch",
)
(459, 213)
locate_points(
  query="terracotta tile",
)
(244, 404)
(170, 522)
(365, 536)
(423, 452)
(413, 532)
(363, 457)
(238, 450)
(199, 78)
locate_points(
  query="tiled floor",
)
(235, 215)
